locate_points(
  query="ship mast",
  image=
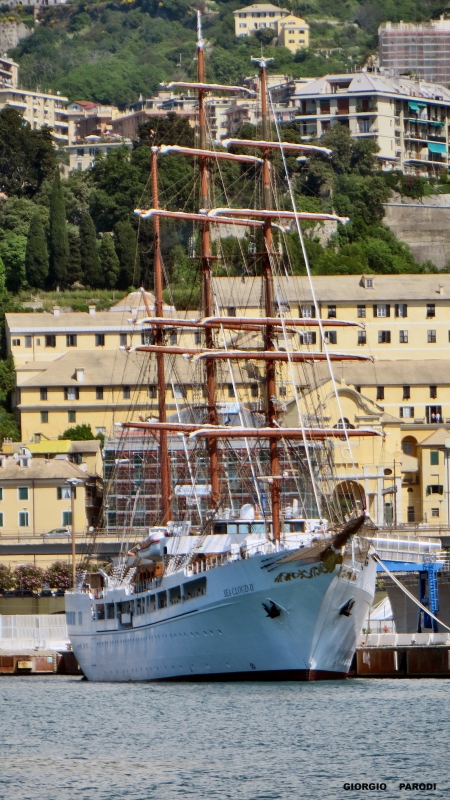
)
(207, 298)
(166, 501)
(269, 345)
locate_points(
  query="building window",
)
(71, 340)
(431, 310)
(401, 310)
(331, 337)
(66, 519)
(178, 391)
(308, 338)
(1, 519)
(410, 513)
(433, 414)
(282, 392)
(43, 394)
(22, 492)
(435, 488)
(147, 337)
(434, 512)
(197, 337)
(153, 392)
(123, 340)
(71, 393)
(382, 310)
(406, 392)
(431, 337)
(361, 311)
(331, 312)
(403, 337)
(38, 342)
(126, 392)
(406, 412)
(71, 416)
(173, 338)
(380, 392)
(44, 416)
(434, 458)
(384, 337)
(433, 392)
(28, 341)
(231, 311)
(50, 340)
(307, 312)
(99, 393)
(254, 390)
(230, 389)
(362, 337)
(23, 519)
(63, 492)
(99, 339)
(16, 342)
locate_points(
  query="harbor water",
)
(65, 738)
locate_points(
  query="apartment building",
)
(90, 119)
(291, 31)
(83, 154)
(408, 119)
(49, 335)
(419, 48)
(37, 108)
(35, 495)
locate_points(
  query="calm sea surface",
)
(64, 739)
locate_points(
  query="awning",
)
(435, 123)
(416, 106)
(435, 147)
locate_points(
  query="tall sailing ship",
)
(254, 568)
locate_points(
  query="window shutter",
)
(397, 309)
(59, 493)
(405, 310)
(388, 310)
(66, 394)
(401, 411)
(440, 489)
(374, 310)
(313, 311)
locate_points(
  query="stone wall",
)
(425, 227)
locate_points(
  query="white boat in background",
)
(241, 578)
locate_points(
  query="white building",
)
(291, 31)
(407, 118)
(82, 155)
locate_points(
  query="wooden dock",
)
(38, 662)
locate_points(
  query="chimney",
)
(92, 310)
(441, 290)
(79, 372)
(56, 311)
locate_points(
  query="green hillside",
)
(113, 51)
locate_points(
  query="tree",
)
(109, 261)
(28, 576)
(7, 580)
(8, 426)
(126, 248)
(74, 271)
(90, 262)
(265, 35)
(36, 254)
(58, 239)
(27, 157)
(58, 575)
(12, 253)
(79, 433)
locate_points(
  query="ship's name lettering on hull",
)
(235, 591)
(312, 572)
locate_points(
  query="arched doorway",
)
(409, 446)
(351, 498)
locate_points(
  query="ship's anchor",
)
(346, 609)
(272, 611)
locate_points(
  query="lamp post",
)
(73, 483)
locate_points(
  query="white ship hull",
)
(226, 634)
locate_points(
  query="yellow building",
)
(293, 32)
(35, 495)
(48, 335)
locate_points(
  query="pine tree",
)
(125, 243)
(58, 239)
(90, 262)
(74, 271)
(36, 255)
(109, 261)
